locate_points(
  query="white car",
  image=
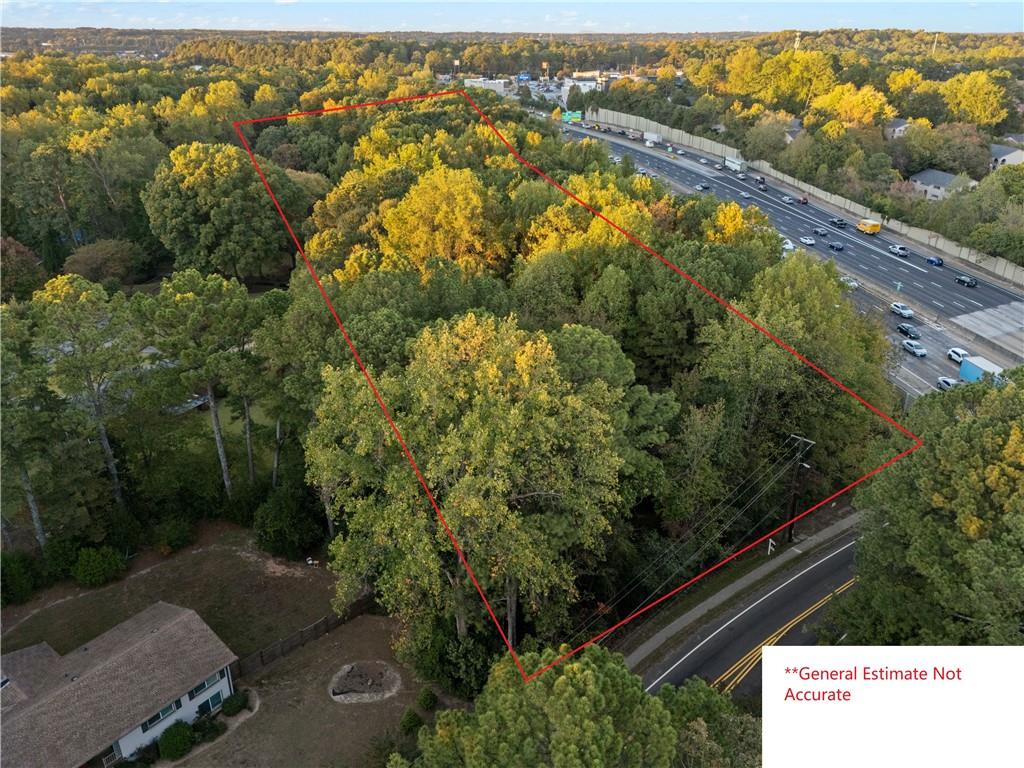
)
(915, 348)
(703, 161)
(787, 245)
(945, 382)
(745, 195)
(807, 240)
(718, 166)
(741, 176)
(898, 308)
(899, 250)
(787, 200)
(849, 282)
(956, 354)
(701, 187)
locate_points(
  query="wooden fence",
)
(255, 662)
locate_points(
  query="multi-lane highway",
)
(988, 315)
(727, 652)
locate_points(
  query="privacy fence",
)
(254, 662)
(995, 265)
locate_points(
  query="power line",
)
(702, 525)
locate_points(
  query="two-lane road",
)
(727, 652)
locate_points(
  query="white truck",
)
(652, 137)
(735, 164)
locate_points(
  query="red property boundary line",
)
(917, 442)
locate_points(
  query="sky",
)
(524, 16)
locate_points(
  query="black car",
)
(841, 223)
(621, 132)
(836, 246)
(908, 330)
(967, 280)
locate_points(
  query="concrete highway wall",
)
(999, 267)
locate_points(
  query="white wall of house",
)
(188, 711)
(1014, 158)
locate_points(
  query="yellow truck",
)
(869, 226)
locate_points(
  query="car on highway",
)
(802, 201)
(745, 195)
(835, 245)
(967, 280)
(741, 176)
(807, 240)
(908, 330)
(915, 348)
(703, 161)
(820, 231)
(849, 282)
(718, 166)
(701, 187)
(935, 261)
(901, 309)
(653, 175)
(787, 245)
(945, 382)
(787, 199)
(899, 250)
(956, 354)
(837, 222)
(762, 187)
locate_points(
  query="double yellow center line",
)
(733, 676)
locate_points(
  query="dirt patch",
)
(364, 681)
(297, 726)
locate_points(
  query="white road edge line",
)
(667, 672)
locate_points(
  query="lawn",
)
(249, 598)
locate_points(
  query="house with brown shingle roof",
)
(113, 695)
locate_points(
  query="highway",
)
(948, 314)
(727, 652)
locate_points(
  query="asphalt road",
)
(990, 310)
(727, 652)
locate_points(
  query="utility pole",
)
(796, 482)
(935, 42)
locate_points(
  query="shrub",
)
(96, 567)
(410, 722)
(60, 555)
(284, 525)
(148, 754)
(207, 729)
(20, 576)
(173, 533)
(176, 741)
(107, 261)
(235, 703)
(427, 699)
(241, 507)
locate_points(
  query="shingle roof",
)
(896, 122)
(1016, 138)
(933, 178)
(60, 711)
(1001, 150)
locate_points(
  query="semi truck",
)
(869, 226)
(651, 136)
(976, 368)
(735, 164)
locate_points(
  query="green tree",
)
(209, 208)
(942, 561)
(94, 347)
(522, 467)
(200, 325)
(589, 710)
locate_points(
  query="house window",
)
(211, 704)
(211, 680)
(165, 712)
